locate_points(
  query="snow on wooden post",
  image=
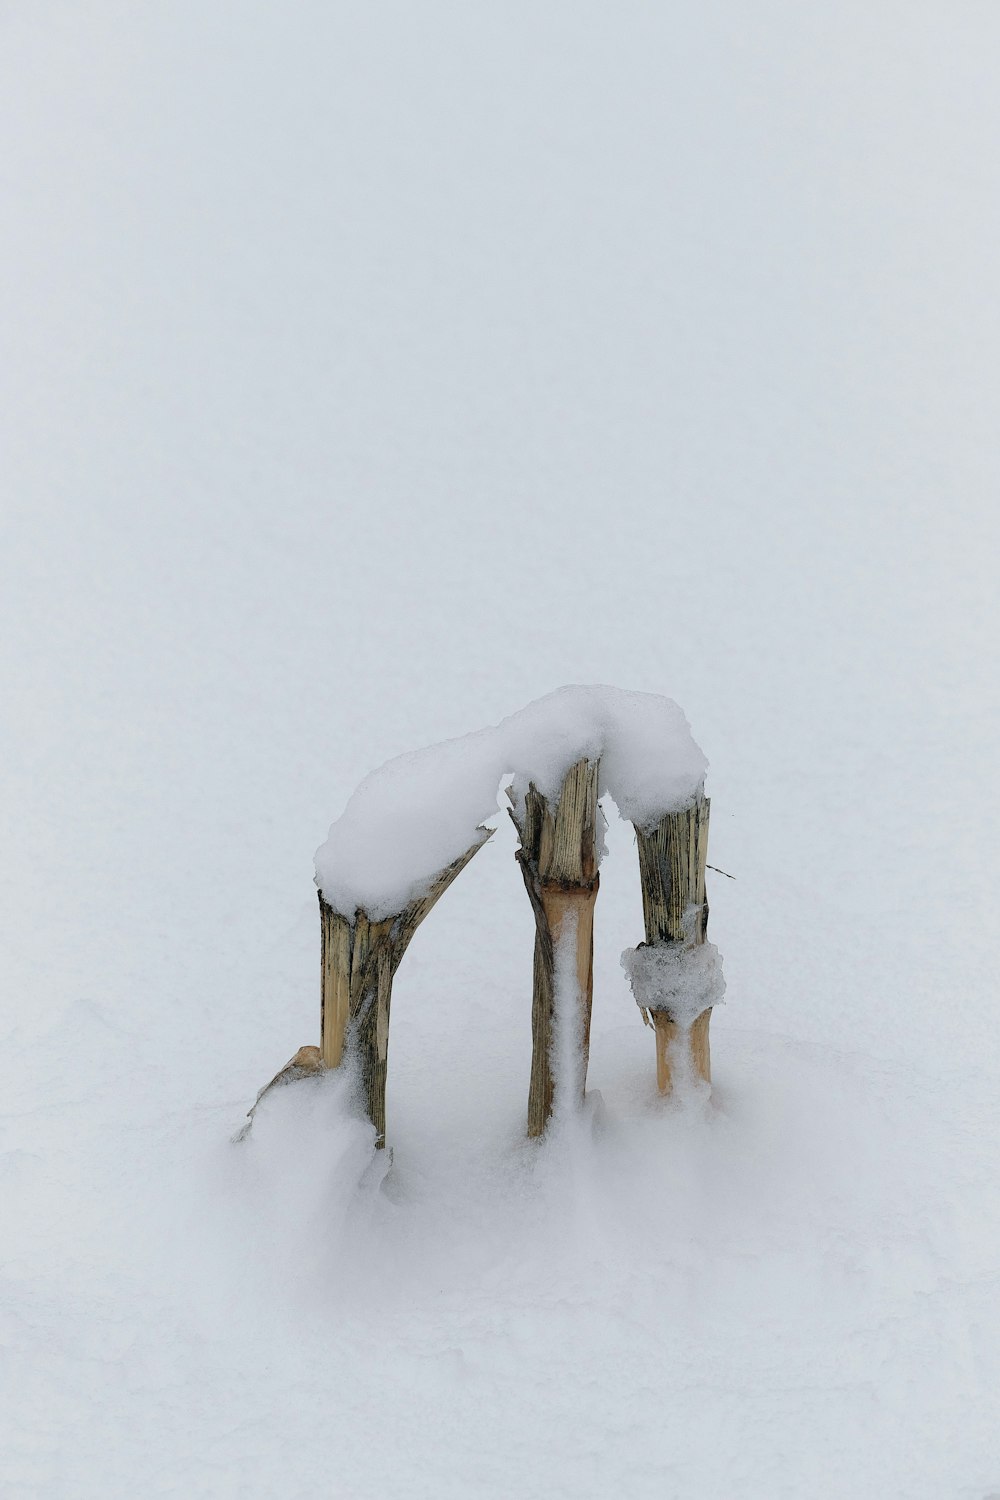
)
(398, 845)
(558, 859)
(672, 872)
(359, 962)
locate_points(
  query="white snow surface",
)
(416, 814)
(366, 371)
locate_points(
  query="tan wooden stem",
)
(558, 860)
(672, 873)
(669, 1035)
(359, 959)
(335, 986)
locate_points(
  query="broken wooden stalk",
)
(558, 860)
(359, 959)
(306, 1063)
(672, 873)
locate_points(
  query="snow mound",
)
(416, 814)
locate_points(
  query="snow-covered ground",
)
(365, 373)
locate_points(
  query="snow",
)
(418, 813)
(568, 1073)
(367, 372)
(682, 978)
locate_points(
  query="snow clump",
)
(411, 818)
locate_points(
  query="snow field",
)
(363, 373)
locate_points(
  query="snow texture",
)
(411, 818)
(682, 978)
(366, 371)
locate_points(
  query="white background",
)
(365, 372)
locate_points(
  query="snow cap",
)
(412, 817)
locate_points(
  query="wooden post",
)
(335, 984)
(359, 959)
(672, 872)
(558, 859)
(306, 1063)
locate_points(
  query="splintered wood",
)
(359, 962)
(306, 1063)
(672, 872)
(558, 860)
